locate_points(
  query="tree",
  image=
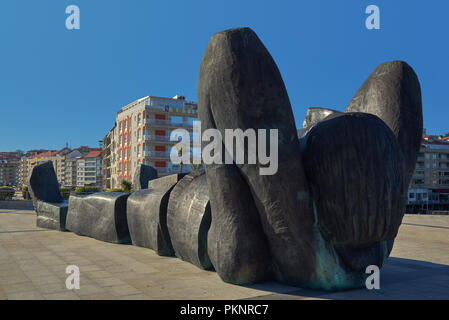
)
(179, 149)
(196, 166)
(126, 186)
(180, 155)
(193, 166)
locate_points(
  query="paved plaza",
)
(33, 263)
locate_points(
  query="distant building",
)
(24, 166)
(64, 163)
(141, 134)
(71, 170)
(57, 157)
(89, 169)
(429, 186)
(9, 168)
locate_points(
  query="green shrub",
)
(127, 186)
(26, 193)
(65, 192)
(86, 190)
(114, 190)
(6, 193)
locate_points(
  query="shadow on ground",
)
(400, 279)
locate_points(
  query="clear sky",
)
(59, 86)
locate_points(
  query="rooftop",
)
(93, 154)
(136, 102)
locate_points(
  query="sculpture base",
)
(52, 215)
(100, 215)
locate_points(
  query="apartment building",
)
(9, 168)
(24, 166)
(71, 169)
(64, 162)
(141, 134)
(108, 158)
(89, 169)
(429, 186)
(57, 157)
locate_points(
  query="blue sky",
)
(61, 86)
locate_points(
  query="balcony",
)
(156, 138)
(167, 123)
(157, 154)
(173, 110)
(172, 170)
(419, 165)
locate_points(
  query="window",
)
(138, 151)
(411, 195)
(434, 156)
(120, 127)
(139, 119)
(427, 155)
(125, 168)
(138, 135)
(126, 139)
(126, 124)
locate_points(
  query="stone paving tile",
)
(28, 295)
(18, 287)
(87, 290)
(123, 290)
(100, 296)
(66, 295)
(109, 282)
(3, 295)
(44, 280)
(140, 283)
(5, 280)
(136, 297)
(57, 287)
(95, 274)
(11, 272)
(131, 275)
(33, 262)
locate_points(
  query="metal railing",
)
(167, 123)
(157, 154)
(159, 138)
(173, 170)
